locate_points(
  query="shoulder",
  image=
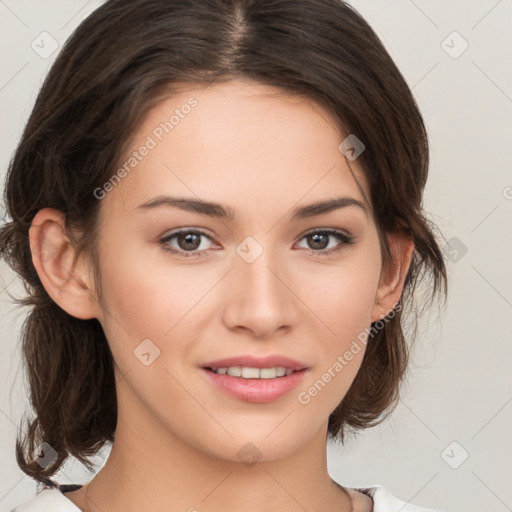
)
(49, 500)
(384, 501)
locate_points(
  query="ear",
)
(393, 275)
(67, 282)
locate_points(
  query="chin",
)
(259, 443)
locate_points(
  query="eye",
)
(319, 241)
(188, 241)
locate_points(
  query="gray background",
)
(457, 401)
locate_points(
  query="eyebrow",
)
(213, 209)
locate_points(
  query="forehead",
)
(236, 142)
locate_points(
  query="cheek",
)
(343, 298)
(354, 298)
(143, 289)
(339, 355)
(147, 297)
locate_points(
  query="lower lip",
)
(256, 390)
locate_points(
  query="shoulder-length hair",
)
(123, 59)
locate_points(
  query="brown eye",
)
(187, 241)
(318, 241)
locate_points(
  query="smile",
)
(247, 372)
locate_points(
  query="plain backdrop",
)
(448, 443)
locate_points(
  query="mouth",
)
(255, 380)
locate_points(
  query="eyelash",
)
(344, 239)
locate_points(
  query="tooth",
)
(281, 371)
(235, 371)
(268, 373)
(247, 372)
(250, 373)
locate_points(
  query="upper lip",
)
(269, 361)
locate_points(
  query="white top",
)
(54, 500)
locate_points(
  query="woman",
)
(216, 209)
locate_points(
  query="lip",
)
(255, 390)
(269, 361)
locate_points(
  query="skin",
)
(177, 436)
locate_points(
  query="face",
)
(185, 287)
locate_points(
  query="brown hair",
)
(119, 62)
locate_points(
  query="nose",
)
(259, 296)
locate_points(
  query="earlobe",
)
(393, 277)
(53, 257)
